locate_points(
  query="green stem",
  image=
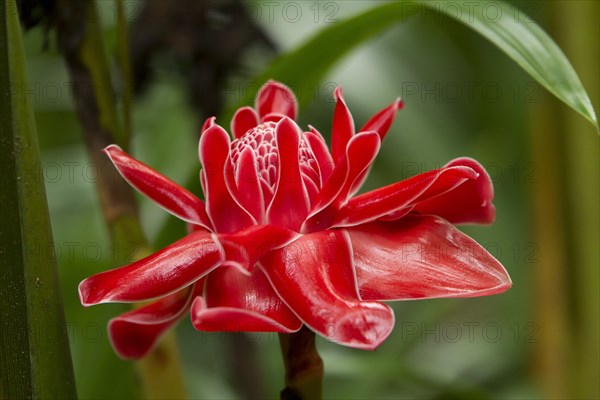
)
(566, 219)
(582, 189)
(125, 69)
(303, 366)
(80, 40)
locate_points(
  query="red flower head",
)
(283, 241)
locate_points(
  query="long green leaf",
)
(527, 44)
(35, 360)
(510, 29)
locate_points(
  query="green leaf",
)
(507, 27)
(527, 44)
(34, 348)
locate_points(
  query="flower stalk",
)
(303, 366)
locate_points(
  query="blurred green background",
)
(463, 97)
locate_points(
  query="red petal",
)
(244, 248)
(314, 277)
(311, 188)
(236, 302)
(208, 123)
(471, 202)
(360, 153)
(272, 117)
(321, 152)
(276, 98)
(157, 275)
(166, 193)
(289, 205)
(135, 333)
(243, 120)
(245, 186)
(402, 195)
(343, 127)
(225, 213)
(422, 257)
(382, 121)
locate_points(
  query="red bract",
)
(283, 241)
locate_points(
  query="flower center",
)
(262, 141)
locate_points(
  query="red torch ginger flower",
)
(283, 240)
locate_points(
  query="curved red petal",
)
(360, 153)
(276, 98)
(314, 277)
(135, 333)
(382, 121)
(312, 190)
(319, 136)
(272, 117)
(208, 123)
(163, 191)
(470, 202)
(422, 257)
(244, 185)
(289, 205)
(321, 152)
(244, 248)
(243, 120)
(157, 275)
(401, 196)
(236, 302)
(224, 212)
(343, 127)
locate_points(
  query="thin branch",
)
(303, 366)
(125, 68)
(80, 41)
